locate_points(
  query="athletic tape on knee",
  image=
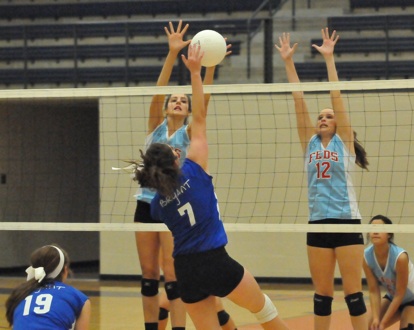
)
(163, 314)
(149, 288)
(356, 304)
(268, 312)
(223, 317)
(322, 305)
(171, 288)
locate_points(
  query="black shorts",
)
(204, 274)
(402, 306)
(334, 240)
(143, 213)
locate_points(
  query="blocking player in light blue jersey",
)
(388, 265)
(187, 203)
(331, 151)
(45, 301)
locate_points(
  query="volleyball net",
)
(59, 147)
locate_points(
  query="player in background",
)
(388, 265)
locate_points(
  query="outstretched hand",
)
(329, 42)
(228, 48)
(285, 50)
(193, 60)
(175, 37)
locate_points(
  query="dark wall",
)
(49, 165)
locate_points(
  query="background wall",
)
(49, 159)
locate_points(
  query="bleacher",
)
(90, 52)
(383, 35)
(358, 70)
(371, 22)
(82, 76)
(377, 4)
(154, 28)
(107, 9)
(370, 45)
(127, 48)
(34, 33)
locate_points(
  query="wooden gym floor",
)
(117, 305)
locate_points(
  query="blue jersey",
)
(388, 276)
(179, 139)
(192, 213)
(330, 190)
(53, 307)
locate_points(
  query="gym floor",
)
(118, 304)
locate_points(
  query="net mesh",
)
(255, 155)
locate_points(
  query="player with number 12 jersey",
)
(321, 163)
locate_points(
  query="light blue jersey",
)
(179, 139)
(387, 277)
(53, 307)
(192, 213)
(330, 190)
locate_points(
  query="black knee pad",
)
(163, 314)
(223, 317)
(409, 327)
(322, 305)
(171, 288)
(356, 304)
(149, 288)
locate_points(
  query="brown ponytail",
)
(158, 170)
(361, 154)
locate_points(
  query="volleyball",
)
(213, 45)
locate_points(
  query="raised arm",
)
(208, 80)
(198, 150)
(343, 129)
(304, 123)
(175, 44)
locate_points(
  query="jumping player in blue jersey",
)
(389, 266)
(45, 301)
(331, 151)
(167, 123)
(187, 203)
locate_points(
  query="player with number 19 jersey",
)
(330, 190)
(56, 306)
(192, 213)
